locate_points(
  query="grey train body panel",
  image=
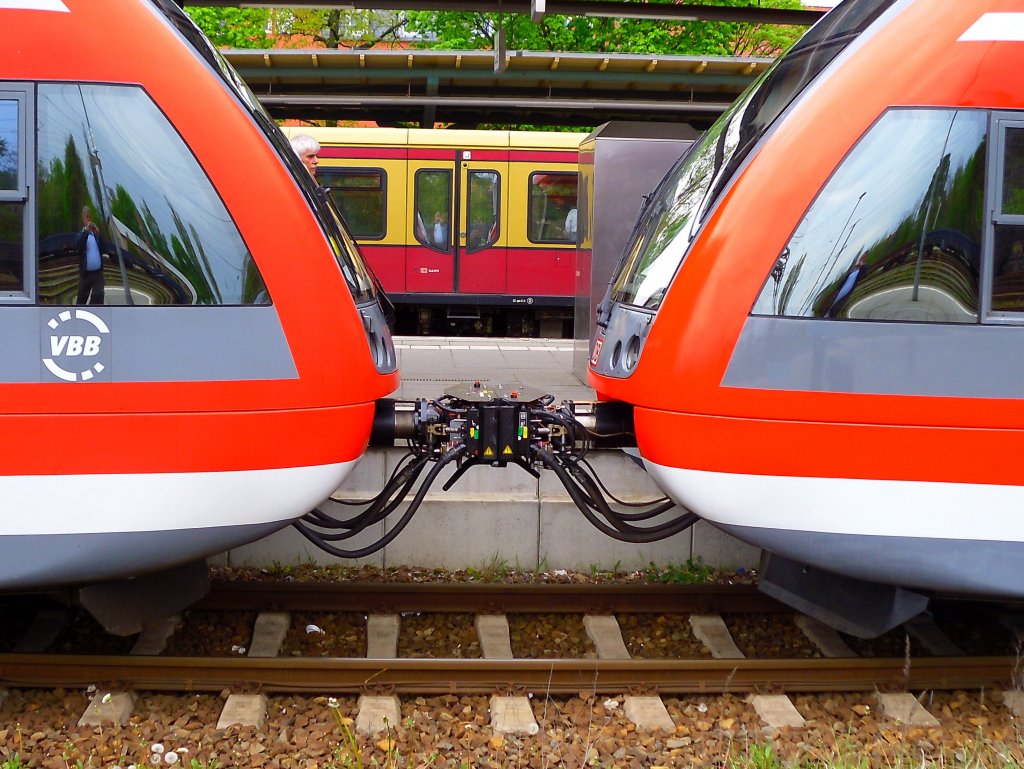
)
(963, 567)
(878, 358)
(143, 344)
(75, 559)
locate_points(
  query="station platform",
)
(430, 365)
(499, 515)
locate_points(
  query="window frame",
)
(496, 227)
(529, 212)
(341, 171)
(24, 94)
(999, 122)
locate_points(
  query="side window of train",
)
(361, 196)
(1007, 195)
(14, 223)
(484, 208)
(896, 232)
(553, 207)
(107, 154)
(432, 208)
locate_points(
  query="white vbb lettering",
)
(57, 344)
(74, 345)
(92, 346)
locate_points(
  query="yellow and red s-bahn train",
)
(470, 232)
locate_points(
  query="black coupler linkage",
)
(479, 423)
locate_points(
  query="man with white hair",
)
(308, 150)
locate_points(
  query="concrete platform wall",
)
(503, 516)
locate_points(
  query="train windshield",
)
(685, 197)
(357, 275)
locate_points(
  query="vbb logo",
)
(75, 346)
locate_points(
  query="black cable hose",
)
(631, 534)
(591, 493)
(612, 497)
(398, 468)
(621, 521)
(421, 492)
(354, 531)
(396, 481)
(601, 505)
(381, 508)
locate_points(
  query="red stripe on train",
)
(493, 156)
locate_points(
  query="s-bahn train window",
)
(9, 142)
(553, 207)
(1008, 218)
(484, 207)
(895, 234)
(108, 154)
(361, 196)
(13, 194)
(433, 206)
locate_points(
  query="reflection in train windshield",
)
(349, 259)
(684, 199)
(895, 233)
(107, 152)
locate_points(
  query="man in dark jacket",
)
(90, 262)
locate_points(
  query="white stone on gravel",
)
(115, 707)
(711, 630)
(243, 710)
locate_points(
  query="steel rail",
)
(461, 676)
(476, 597)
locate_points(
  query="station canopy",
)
(468, 88)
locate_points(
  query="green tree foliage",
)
(336, 28)
(258, 28)
(233, 27)
(474, 31)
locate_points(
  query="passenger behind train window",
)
(171, 239)
(552, 199)
(433, 201)
(484, 209)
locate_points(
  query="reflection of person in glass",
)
(440, 231)
(90, 262)
(846, 289)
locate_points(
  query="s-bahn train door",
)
(482, 240)
(430, 262)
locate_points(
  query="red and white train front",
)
(192, 345)
(820, 320)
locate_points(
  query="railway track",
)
(462, 676)
(488, 711)
(728, 669)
